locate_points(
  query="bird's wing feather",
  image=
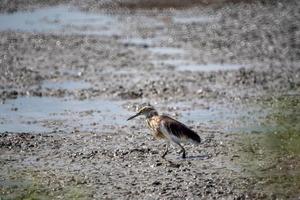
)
(179, 131)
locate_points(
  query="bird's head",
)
(148, 111)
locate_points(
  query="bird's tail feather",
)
(194, 137)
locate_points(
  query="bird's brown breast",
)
(154, 125)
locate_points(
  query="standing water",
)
(59, 19)
(49, 114)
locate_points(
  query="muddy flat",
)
(72, 72)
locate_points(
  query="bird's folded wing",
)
(177, 131)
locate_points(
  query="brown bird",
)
(165, 127)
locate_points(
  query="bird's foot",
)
(164, 154)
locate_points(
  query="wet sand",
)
(229, 71)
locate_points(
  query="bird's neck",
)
(151, 114)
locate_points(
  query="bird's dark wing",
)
(179, 130)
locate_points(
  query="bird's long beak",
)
(133, 116)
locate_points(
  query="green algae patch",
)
(33, 186)
(22, 185)
(272, 157)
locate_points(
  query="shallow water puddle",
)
(48, 114)
(166, 50)
(238, 120)
(58, 19)
(206, 67)
(185, 65)
(67, 85)
(194, 19)
(168, 62)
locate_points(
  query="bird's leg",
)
(182, 150)
(166, 151)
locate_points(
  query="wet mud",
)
(229, 70)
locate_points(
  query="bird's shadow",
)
(199, 157)
(173, 163)
(196, 157)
